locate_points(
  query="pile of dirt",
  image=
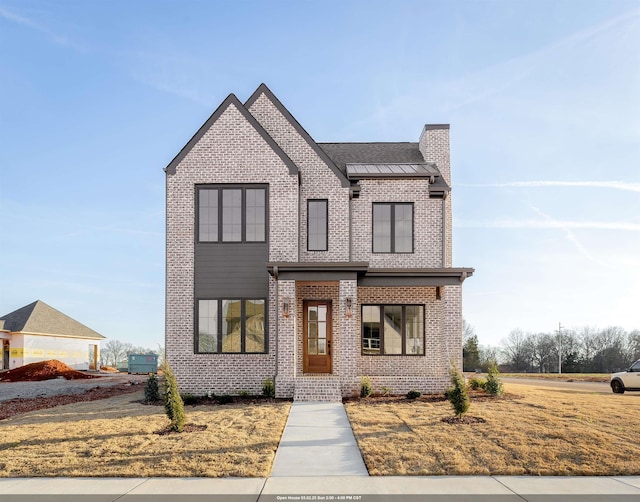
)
(109, 369)
(43, 370)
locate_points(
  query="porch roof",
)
(360, 271)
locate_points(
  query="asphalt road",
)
(596, 387)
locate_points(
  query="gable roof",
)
(231, 100)
(40, 318)
(263, 89)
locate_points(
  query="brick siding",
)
(232, 151)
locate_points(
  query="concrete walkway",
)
(318, 441)
(331, 489)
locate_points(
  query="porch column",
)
(348, 340)
(452, 324)
(286, 339)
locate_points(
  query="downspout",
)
(275, 276)
(350, 224)
(444, 232)
(299, 213)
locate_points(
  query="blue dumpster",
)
(143, 363)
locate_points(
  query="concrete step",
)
(317, 388)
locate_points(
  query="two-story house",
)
(313, 264)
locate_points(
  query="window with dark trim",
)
(227, 326)
(317, 224)
(392, 330)
(232, 214)
(392, 227)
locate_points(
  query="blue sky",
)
(543, 98)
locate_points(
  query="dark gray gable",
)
(263, 89)
(231, 99)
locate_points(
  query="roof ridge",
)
(229, 100)
(263, 89)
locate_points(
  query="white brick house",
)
(313, 264)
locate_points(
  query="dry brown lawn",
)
(118, 437)
(530, 431)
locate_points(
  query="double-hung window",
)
(232, 214)
(393, 330)
(231, 326)
(393, 227)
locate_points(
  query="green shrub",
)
(244, 393)
(385, 391)
(224, 399)
(173, 404)
(151, 389)
(477, 383)
(189, 399)
(269, 388)
(457, 393)
(493, 385)
(413, 394)
(365, 387)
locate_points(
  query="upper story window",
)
(317, 225)
(393, 227)
(232, 214)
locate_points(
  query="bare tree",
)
(113, 352)
(517, 350)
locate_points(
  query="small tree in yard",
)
(151, 389)
(457, 393)
(173, 404)
(493, 385)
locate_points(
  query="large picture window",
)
(232, 214)
(317, 225)
(231, 326)
(392, 330)
(393, 227)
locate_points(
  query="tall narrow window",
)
(317, 225)
(208, 326)
(414, 329)
(254, 325)
(371, 329)
(403, 231)
(256, 205)
(382, 228)
(232, 215)
(231, 325)
(208, 215)
(393, 228)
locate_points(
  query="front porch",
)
(324, 347)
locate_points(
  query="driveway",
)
(595, 387)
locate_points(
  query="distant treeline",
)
(114, 352)
(583, 350)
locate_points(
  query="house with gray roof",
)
(38, 332)
(311, 264)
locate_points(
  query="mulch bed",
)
(16, 406)
(187, 428)
(465, 420)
